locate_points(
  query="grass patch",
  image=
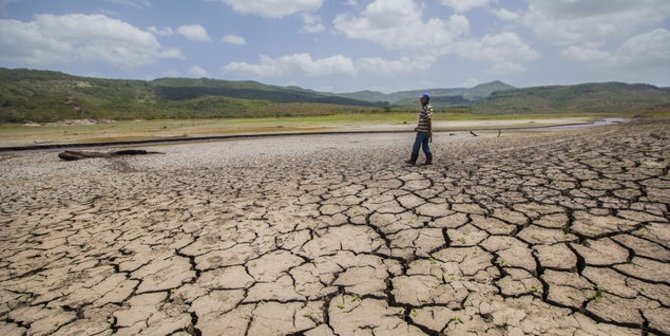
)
(597, 295)
(456, 320)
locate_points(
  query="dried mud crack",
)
(536, 233)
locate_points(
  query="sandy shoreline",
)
(536, 233)
(35, 137)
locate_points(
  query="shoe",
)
(429, 160)
(412, 160)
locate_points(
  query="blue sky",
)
(344, 45)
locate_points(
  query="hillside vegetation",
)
(45, 96)
(40, 96)
(583, 98)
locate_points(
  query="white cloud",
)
(570, 22)
(167, 31)
(462, 6)
(133, 3)
(266, 68)
(500, 46)
(197, 71)
(639, 55)
(234, 39)
(648, 50)
(304, 64)
(588, 54)
(506, 68)
(399, 25)
(301, 64)
(312, 23)
(51, 39)
(504, 51)
(194, 32)
(273, 8)
(382, 66)
(506, 15)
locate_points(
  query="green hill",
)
(590, 98)
(43, 96)
(40, 96)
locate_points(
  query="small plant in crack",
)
(414, 312)
(341, 306)
(355, 298)
(598, 295)
(433, 261)
(500, 262)
(311, 316)
(462, 240)
(456, 320)
(534, 289)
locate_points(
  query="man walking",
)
(424, 132)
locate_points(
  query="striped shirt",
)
(424, 117)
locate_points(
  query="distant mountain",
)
(589, 97)
(370, 96)
(450, 97)
(484, 90)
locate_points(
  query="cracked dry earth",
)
(538, 233)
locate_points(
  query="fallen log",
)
(78, 155)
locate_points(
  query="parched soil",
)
(537, 233)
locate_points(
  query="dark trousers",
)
(422, 141)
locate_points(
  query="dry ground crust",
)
(543, 233)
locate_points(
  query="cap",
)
(425, 94)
